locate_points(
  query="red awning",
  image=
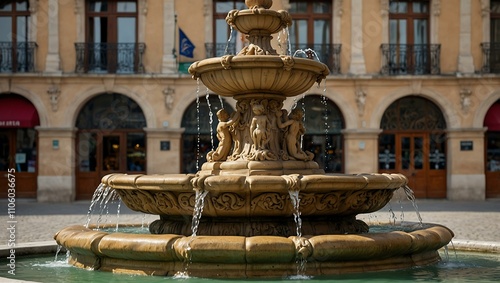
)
(17, 113)
(492, 119)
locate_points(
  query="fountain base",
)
(248, 227)
(258, 256)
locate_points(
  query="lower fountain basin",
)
(259, 256)
(243, 205)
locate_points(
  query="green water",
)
(462, 267)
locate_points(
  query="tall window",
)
(311, 27)
(111, 36)
(16, 53)
(494, 55)
(225, 40)
(495, 21)
(409, 50)
(409, 22)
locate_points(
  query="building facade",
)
(93, 87)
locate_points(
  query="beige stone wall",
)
(56, 168)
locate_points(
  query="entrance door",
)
(418, 156)
(412, 157)
(18, 157)
(102, 153)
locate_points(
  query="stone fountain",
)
(260, 206)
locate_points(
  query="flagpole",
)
(174, 51)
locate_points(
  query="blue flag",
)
(186, 47)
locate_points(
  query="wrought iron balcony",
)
(411, 59)
(120, 58)
(328, 54)
(220, 49)
(17, 58)
(491, 57)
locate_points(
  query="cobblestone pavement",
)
(469, 220)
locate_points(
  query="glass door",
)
(411, 161)
(111, 154)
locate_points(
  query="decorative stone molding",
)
(485, 9)
(79, 6)
(54, 93)
(360, 100)
(169, 97)
(338, 7)
(143, 6)
(436, 8)
(465, 99)
(384, 8)
(109, 84)
(33, 6)
(416, 86)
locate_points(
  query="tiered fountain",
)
(260, 207)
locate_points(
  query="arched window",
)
(200, 123)
(110, 138)
(413, 142)
(323, 123)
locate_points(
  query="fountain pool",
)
(462, 267)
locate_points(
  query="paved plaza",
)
(469, 220)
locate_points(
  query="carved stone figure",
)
(224, 135)
(294, 130)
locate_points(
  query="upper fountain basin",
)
(254, 75)
(258, 20)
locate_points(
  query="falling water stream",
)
(197, 212)
(301, 260)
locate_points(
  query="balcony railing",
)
(120, 58)
(328, 54)
(491, 57)
(220, 49)
(17, 58)
(410, 59)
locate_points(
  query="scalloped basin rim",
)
(256, 61)
(181, 182)
(212, 251)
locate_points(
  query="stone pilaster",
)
(164, 146)
(361, 148)
(169, 62)
(465, 60)
(53, 59)
(357, 66)
(56, 169)
(465, 170)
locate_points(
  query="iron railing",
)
(411, 59)
(491, 57)
(120, 58)
(18, 57)
(329, 54)
(220, 49)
